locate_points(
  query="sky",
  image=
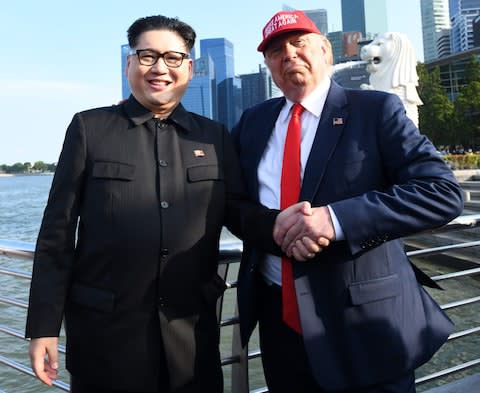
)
(59, 57)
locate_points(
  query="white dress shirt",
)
(269, 170)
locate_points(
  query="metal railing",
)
(238, 358)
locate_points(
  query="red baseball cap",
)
(285, 21)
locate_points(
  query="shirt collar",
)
(139, 114)
(313, 103)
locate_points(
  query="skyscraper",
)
(367, 16)
(435, 21)
(476, 31)
(226, 101)
(462, 14)
(221, 52)
(125, 86)
(254, 87)
(320, 18)
(201, 92)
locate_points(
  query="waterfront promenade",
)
(22, 199)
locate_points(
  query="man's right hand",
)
(43, 354)
(294, 233)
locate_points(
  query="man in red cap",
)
(359, 322)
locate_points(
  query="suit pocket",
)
(373, 290)
(204, 172)
(94, 298)
(113, 170)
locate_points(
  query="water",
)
(22, 200)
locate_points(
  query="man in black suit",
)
(364, 323)
(128, 247)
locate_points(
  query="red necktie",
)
(289, 194)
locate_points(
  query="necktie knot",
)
(297, 109)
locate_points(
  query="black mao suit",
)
(365, 319)
(149, 199)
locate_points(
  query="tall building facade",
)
(254, 87)
(221, 52)
(125, 49)
(366, 16)
(462, 14)
(435, 25)
(201, 92)
(336, 39)
(320, 18)
(444, 46)
(476, 31)
(225, 100)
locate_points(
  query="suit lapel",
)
(330, 128)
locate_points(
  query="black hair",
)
(160, 22)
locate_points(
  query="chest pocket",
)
(204, 172)
(113, 170)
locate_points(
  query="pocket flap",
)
(95, 298)
(204, 172)
(373, 290)
(113, 170)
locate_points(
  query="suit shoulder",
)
(370, 96)
(267, 104)
(112, 110)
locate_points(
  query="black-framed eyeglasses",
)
(149, 57)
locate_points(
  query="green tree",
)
(472, 71)
(18, 167)
(40, 166)
(435, 115)
(467, 114)
(467, 106)
(52, 167)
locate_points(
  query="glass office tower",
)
(435, 23)
(199, 97)
(125, 86)
(462, 14)
(367, 16)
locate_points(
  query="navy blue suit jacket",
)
(365, 318)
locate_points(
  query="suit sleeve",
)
(55, 248)
(248, 220)
(419, 192)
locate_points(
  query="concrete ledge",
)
(468, 384)
(467, 174)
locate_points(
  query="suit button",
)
(164, 252)
(163, 163)
(161, 301)
(164, 204)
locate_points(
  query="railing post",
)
(239, 380)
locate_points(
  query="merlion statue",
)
(392, 67)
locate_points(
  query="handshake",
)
(302, 231)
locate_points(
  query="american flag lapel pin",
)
(338, 121)
(199, 153)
